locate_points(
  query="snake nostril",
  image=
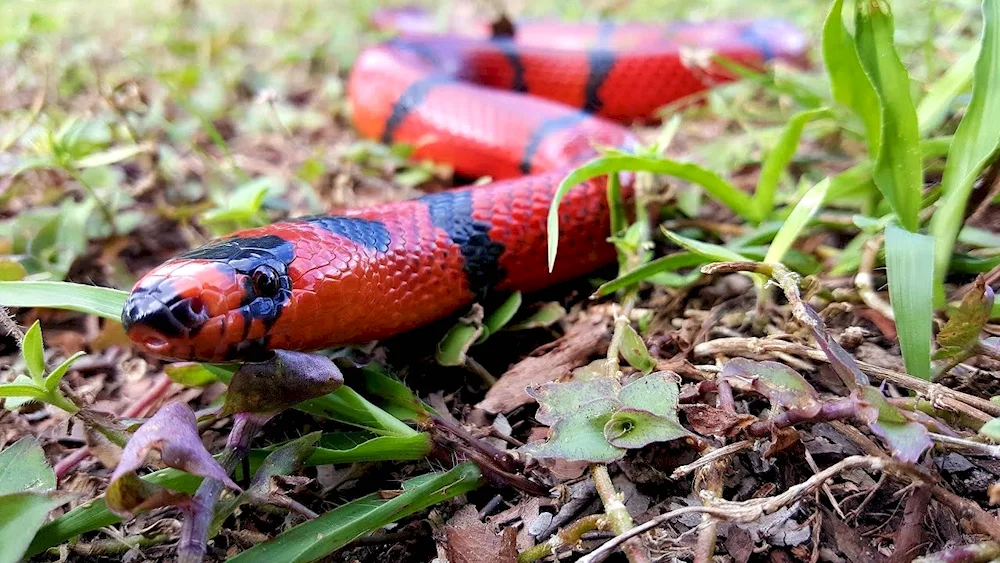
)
(197, 306)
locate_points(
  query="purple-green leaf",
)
(173, 433)
(283, 381)
(907, 440)
(782, 385)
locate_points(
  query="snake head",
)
(213, 303)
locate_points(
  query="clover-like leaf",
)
(961, 332)
(648, 414)
(281, 382)
(172, 432)
(656, 393)
(783, 386)
(635, 428)
(558, 400)
(577, 412)
(907, 440)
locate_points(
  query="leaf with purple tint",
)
(281, 382)
(782, 385)
(577, 412)
(961, 332)
(842, 362)
(907, 441)
(173, 433)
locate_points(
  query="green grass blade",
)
(668, 263)
(777, 161)
(727, 194)
(848, 81)
(933, 107)
(797, 220)
(909, 259)
(316, 538)
(101, 301)
(975, 143)
(898, 172)
(712, 252)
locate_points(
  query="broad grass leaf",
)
(101, 301)
(909, 260)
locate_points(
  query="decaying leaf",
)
(471, 541)
(713, 421)
(782, 385)
(173, 433)
(959, 336)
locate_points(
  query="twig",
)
(752, 509)
(711, 456)
(982, 521)
(864, 282)
(962, 443)
(568, 536)
(825, 487)
(955, 401)
(709, 482)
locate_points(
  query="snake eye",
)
(265, 280)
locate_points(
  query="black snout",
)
(168, 314)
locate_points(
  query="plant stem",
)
(568, 536)
(109, 217)
(619, 520)
(194, 532)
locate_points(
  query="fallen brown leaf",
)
(583, 339)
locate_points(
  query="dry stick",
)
(983, 521)
(950, 399)
(712, 478)
(712, 456)
(619, 519)
(750, 510)
(910, 533)
(864, 282)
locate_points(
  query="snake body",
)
(522, 110)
